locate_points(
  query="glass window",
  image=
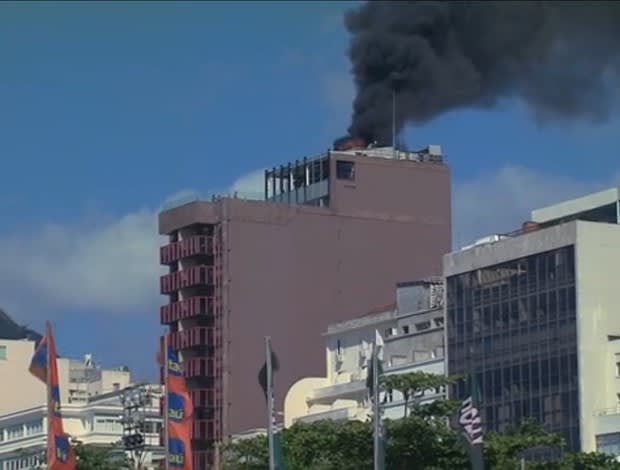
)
(345, 170)
(608, 444)
(524, 344)
(2, 353)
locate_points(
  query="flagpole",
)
(48, 386)
(375, 399)
(272, 463)
(166, 413)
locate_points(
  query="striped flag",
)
(44, 366)
(179, 409)
(468, 423)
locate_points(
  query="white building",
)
(534, 317)
(412, 330)
(90, 400)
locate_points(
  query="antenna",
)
(394, 121)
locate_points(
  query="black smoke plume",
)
(561, 58)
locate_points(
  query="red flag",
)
(180, 410)
(44, 365)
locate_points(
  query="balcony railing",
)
(193, 337)
(340, 414)
(200, 367)
(192, 246)
(195, 276)
(188, 308)
(344, 390)
(205, 398)
(205, 429)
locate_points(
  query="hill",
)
(11, 330)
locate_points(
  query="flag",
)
(266, 382)
(38, 364)
(378, 353)
(44, 366)
(375, 366)
(179, 409)
(468, 423)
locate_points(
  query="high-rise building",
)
(331, 238)
(533, 318)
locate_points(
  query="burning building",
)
(332, 237)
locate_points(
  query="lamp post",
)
(134, 400)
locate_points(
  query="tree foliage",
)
(91, 457)
(413, 384)
(420, 441)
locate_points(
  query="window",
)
(425, 325)
(617, 368)
(406, 329)
(107, 424)
(345, 170)
(608, 443)
(2, 353)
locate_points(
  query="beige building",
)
(412, 331)
(91, 407)
(533, 316)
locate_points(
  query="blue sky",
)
(107, 110)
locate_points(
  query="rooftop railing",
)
(213, 197)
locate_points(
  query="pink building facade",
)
(333, 237)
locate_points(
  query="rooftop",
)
(578, 206)
(602, 206)
(295, 170)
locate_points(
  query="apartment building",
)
(97, 421)
(90, 400)
(532, 316)
(332, 235)
(412, 330)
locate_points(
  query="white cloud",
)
(98, 265)
(498, 202)
(251, 185)
(338, 93)
(111, 266)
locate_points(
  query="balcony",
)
(199, 336)
(339, 414)
(205, 430)
(198, 245)
(348, 390)
(198, 367)
(205, 398)
(192, 277)
(188, 308)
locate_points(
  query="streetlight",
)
(134, 400)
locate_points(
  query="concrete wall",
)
(597, 260)
(25, 391)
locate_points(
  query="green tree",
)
(247, 454)
(91, 457)
(413, 384)
(422, 441)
